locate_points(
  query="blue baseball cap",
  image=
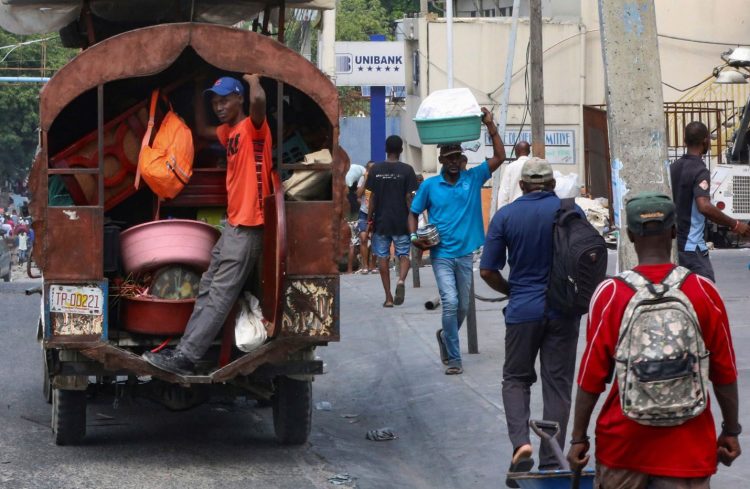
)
(226, 85)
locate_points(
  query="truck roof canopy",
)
(40, 16)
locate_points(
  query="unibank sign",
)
(370, 63)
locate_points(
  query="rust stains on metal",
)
(309, 308)
(224, 47)
(64, 324)
(311, 238)
(74, 244)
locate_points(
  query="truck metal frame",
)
(300, 284)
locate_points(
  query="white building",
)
(692, 35)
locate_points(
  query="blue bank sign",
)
(370, 63)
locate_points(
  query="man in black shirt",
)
(691, 183)
(391, 184)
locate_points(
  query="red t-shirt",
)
(687, 450)
(248, 170)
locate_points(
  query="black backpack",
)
(579, 262)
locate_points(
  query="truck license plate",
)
(76, 300)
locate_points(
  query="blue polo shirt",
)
(524, 229)
(456, 211)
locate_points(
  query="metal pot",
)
(430, 233)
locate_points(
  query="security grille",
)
(741, 197)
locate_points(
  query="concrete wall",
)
(354, 136)
(573, 69)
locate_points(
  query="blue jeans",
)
(381, 245)
(453, 276)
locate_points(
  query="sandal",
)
(441, 347)
(400, 292)
(454, 370)
(522, 465)
(387, 304)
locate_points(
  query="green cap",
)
(536, 170)
(650, 207)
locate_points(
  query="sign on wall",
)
(370, 63)
(560, 145)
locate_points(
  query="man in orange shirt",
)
(248, 144)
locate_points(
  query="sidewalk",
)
(452, 431)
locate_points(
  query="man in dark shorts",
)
(691, 185)
(391, 183)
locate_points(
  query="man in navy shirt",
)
(453, 201)
(523, 229)
(691, 183)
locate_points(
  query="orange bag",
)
(167, 164)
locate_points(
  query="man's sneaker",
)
(173, 361)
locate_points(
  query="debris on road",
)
(343, 479)
(323, 406)
(383, 434)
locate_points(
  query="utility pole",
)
(635, 108)
(536, 75)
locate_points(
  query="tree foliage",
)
(356, 20)
(19, 102)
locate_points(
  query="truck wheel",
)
(292, 410)
(46, 381)
(68, 416)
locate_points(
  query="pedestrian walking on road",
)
(691, 185)
(510, 189)
(655, 429)
(521, 235)
(391, 184)
(367, 261)
(453, 201)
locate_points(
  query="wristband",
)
(580, 441)
(414, 237)
(736, 226)
(725, 431)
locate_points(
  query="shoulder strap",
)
(676, 277)
(567, 204)
(633, 279)
(149, 129)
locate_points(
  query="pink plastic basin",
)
(174, 241)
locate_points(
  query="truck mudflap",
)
(275, 351)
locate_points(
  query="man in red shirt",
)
(630, 455)
(248, 144)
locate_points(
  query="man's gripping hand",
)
(578, 456)
(728, 449)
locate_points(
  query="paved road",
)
(384, 373)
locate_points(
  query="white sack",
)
(249, 330)
(452, 102)
(567, 185)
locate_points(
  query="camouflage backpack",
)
(661, 360)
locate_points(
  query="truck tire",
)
(68, 416)
(292, 410)
(46, 381)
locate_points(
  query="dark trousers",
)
(233, 259)
(697, 261)
(555, 341)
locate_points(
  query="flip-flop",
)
(400, 292)
(387, 304)
(454, 370)
(441, 346)
(523, 465)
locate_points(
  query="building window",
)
(489, 12)
(473, 13)
(506, 11)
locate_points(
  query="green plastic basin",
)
(449, 129)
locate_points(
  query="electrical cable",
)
(715, 43)
(690, 87)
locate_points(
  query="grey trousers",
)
(555, 341)
(697, 261)
(232, 260)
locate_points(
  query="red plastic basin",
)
(174, 241)
(151, 315)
